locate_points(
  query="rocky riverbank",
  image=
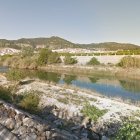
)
(60, 115)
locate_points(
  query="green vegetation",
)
(69, 78)
(20, 62)
(111, 46)
(54, 58)
(133, 86)
(48, 57)
(68, 60)
(30, 102)
(4, 57)
(64, 100)
(5, 94)
(49, 76)
(29, 60)
(130, 130)
(93, 61)
(15, 75)
(129, 61)
(94, 79)
(43, 56)
(19, 74)
(116, 52)
(27, 51)
(27, 101)
(128, 52)
(92, 112)
(74, 99)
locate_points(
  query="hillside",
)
(110, 46)
(60, 43)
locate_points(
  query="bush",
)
(4, 57)
(93, 61)
(30, 102)
(54, 58)
(15, 75)
(27, 51)
(5, 94)
(68, 60)
(92, 112)
(12, 61)
(48, 57)
(130, 130)
(129, 61)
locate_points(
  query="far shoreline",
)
(129, 73)
(105, 71)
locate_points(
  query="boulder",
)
(10, 123)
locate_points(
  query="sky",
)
(79, 21)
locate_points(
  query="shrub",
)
(129, 61)
(54, 58)
(4, 57)
(63, 100)
(27, 51)
(24, 63)
(7, 60)
(93, 61)
(129, 130)
(48, 57)
(68, 60)
(5, 94)
(43, 56)
(15, 75)
(92, 112)
(30, 102)
(33, 65)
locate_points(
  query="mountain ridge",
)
(55, 42)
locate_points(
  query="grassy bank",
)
(130, 73)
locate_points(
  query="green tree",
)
(48, 57)
(54, 58)
(68, 60)
(27, 51)
(43, 56)
(93, 61)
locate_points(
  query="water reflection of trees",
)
(42, 75)
(69, 78)
(93, 79)
(133, 86)
(48, 76)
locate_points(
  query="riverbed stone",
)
(5, 134)
(22, 130)
(10, 123)
(28, 122)
(48, 134)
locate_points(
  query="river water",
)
(109, 86)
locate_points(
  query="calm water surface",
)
(108, 86)
(3, 69)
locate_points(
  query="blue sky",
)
(80, 21)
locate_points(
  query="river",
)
(109, 86)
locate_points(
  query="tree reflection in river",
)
(94, 79)
(69, 78)
(133, 86)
